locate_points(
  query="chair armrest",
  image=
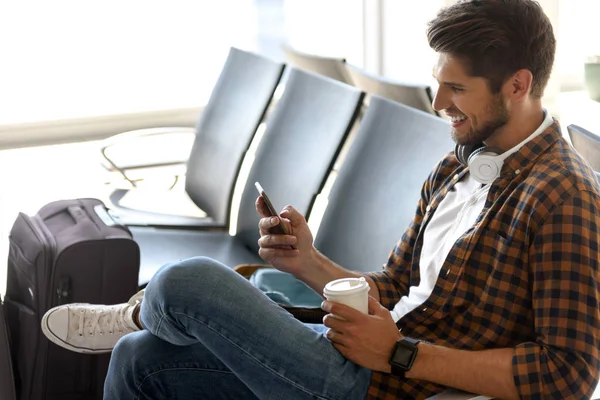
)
(159, 208)
(144, 148)
(310, 315)
(246, 270)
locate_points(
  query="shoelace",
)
(110, 322)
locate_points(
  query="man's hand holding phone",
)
(280, 228)
(286, 240)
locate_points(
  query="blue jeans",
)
(210, 334)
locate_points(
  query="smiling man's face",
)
(476, 114)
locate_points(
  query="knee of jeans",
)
(192, 273)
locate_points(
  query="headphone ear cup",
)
(477, 151)
(484, 164)
(464, 151)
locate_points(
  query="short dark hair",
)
(496, 38)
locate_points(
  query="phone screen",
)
(281, 229)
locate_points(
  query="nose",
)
(441, 101)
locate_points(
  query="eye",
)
(457, 89)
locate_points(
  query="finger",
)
(341, 310)
(334, 322)
(291, 214)
(271, 255)
(284, 227)
(266, 223)
(336, 337)
(261, 207)
(274, 241)
(375, 307)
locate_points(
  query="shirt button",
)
(427, 208)
(517, 172)
(447, 271)
(455, 177)
(425, 309)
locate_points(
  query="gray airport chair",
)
(374, 196)
(303, 138)
(331, 67)
(224, 131)
(412, 95)
(587, 144)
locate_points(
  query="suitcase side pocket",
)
(24, 331)
(21, 277)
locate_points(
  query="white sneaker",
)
(90, 328)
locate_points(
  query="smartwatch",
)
(403, 356)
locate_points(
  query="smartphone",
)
(278, 229)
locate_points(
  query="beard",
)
(499, 117)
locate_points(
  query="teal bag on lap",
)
(284, 288)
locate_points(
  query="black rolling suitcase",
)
(70, 251)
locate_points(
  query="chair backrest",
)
(375, 195)
(331, 67)
(587, 144)
(225, 129)
(303, 138)
(412, 95)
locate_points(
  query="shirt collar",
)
(545, 124)
(533, 146)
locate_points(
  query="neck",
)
(523, 121)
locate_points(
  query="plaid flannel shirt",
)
(525, 276)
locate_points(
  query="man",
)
(492, 289)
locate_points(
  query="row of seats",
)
(305, 133)
(391, 154)
(117, 151)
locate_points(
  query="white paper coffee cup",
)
(353, 292)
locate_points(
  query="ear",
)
(518, 86)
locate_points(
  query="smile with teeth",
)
(458, 119)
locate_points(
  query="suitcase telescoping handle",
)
(79, 215)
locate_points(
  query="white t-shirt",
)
(455, 214)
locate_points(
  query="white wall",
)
(406, 53)
(71, 58)
(326, 27)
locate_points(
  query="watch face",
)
(402, 356)
(404, 353)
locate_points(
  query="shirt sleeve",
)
(563, 362)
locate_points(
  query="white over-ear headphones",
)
(484, 162)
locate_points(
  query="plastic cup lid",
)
(346, 286)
